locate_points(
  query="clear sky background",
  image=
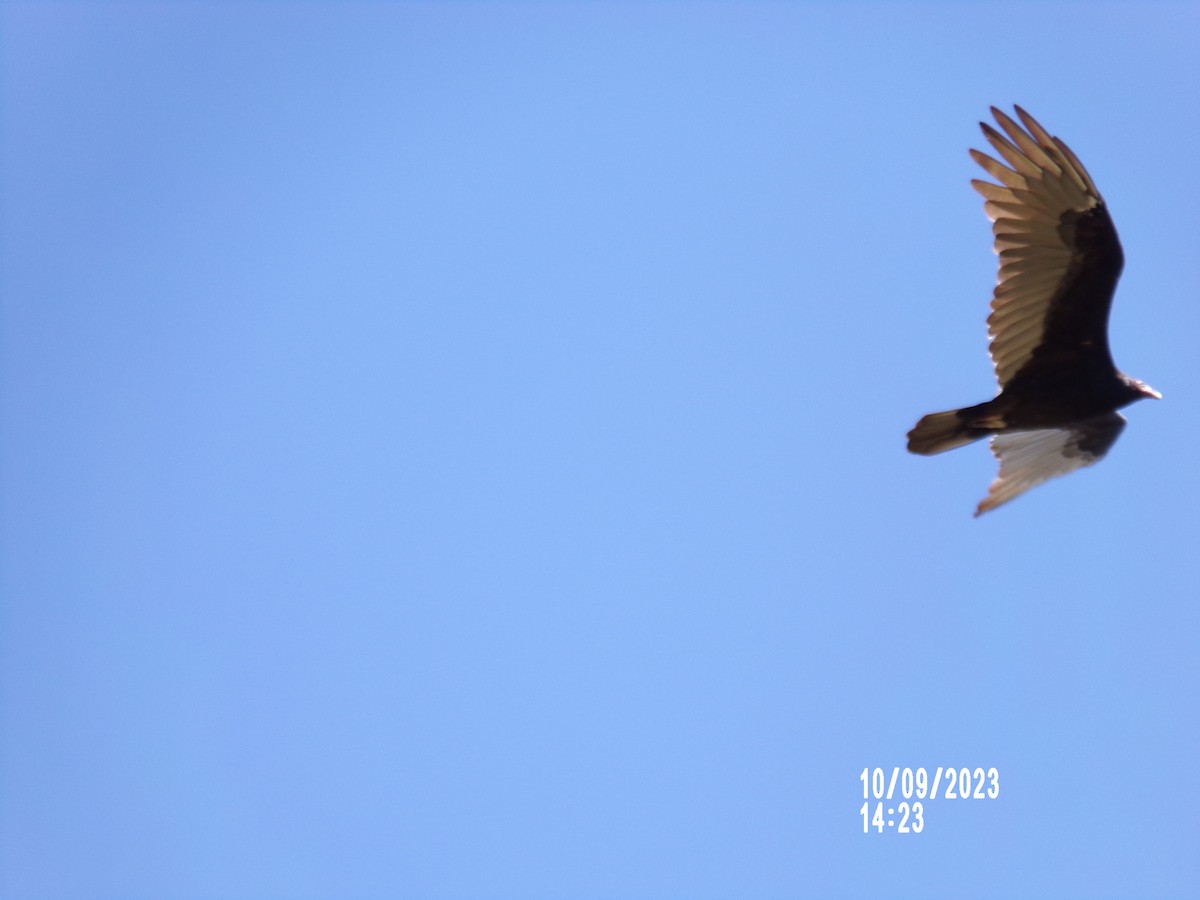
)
(457, 451)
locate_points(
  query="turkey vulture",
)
(1056, 410)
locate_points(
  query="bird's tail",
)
(942, 431)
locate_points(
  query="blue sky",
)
(457, 451)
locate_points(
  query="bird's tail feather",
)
(942, 431)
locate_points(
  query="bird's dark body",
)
(1051, 397)
(1055, 399)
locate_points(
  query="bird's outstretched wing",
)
(1028, 458)
(1060, 257)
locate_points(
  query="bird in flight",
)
(1060, 258)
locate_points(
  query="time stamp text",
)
(896, 801)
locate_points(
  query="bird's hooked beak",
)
(1146, 391)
